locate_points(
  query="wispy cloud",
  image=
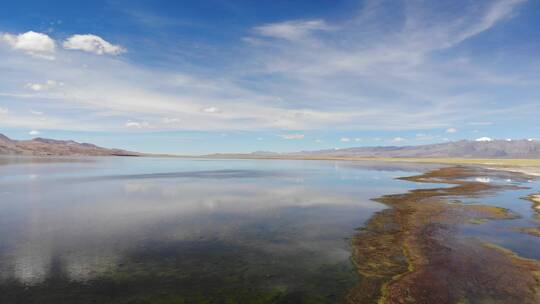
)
(137, 124)
(293, 136)
(368, 72)
(292, 30)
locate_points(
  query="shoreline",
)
(525, 166)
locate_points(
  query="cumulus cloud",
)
(36, 44)
(34, 132)
(451, 130)
(291, 30)
(211, 110)
(49, 84)
(345, 139)
(293, 136)
(398, 139)
(92, 44)
(137, 124)
(484, 139)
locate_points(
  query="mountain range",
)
(43, 147)
(485, 148)
(524, 148)
(481, 148)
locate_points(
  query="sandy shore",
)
(532, 171)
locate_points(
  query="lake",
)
(171, 230)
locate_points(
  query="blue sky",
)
(193, 77)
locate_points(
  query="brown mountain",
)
(43, 146)
(526, 149)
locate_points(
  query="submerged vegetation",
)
(413, 252)
(194, 272)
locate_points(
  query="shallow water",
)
(143, 230)
(506, 233)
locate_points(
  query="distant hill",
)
(43, 146)
(458, 149)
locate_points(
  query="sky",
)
(205, 76)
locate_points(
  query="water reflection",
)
(271, 226)
(128, 228)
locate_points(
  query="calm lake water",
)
(159, 230)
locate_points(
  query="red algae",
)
(411, 253)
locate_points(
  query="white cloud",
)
(484, 139)
(345, 139)
(37, 113)
(211, 110)
(357, 139)
(137, 125)
(49, 84)
(451, 130)
(398, 139)
(293, 136)
(36, 44)
(34, 132)
(3, 111)
(291, 30)
(168, 120)
(93, 44)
